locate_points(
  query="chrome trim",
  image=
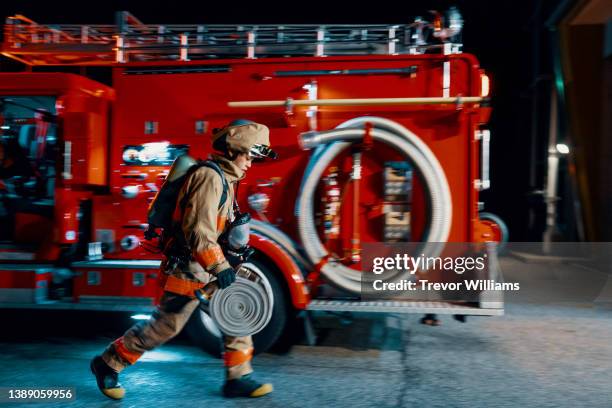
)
(320, 43)
(391, 46)
(446, 80)
(312, 111)
(118, 263)
(251, 45)
(119, 50)
(184, 47)
(391, 306)
(485, 140)
(67, 175)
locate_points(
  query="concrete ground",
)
(537, 355)
(544, 356)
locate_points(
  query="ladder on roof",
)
(132, 41)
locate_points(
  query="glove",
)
(226, 277)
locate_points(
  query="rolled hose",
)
(242, 309)
(337, 140)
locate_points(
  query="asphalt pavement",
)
(533, 356)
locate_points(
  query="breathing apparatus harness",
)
(172, 242)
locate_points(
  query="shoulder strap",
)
(212, 165)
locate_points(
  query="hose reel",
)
(242, 309)
(330, 144)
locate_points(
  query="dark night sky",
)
(499, 33)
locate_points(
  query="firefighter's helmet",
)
(244, 136)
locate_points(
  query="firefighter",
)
(201, 217)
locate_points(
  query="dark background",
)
(509, 38)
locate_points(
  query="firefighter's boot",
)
(245, 386)
(107, 379)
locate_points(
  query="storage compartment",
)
(120, 285)
(24, 284)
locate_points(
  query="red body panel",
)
(30, 278)
(124, 282)
(24, 284)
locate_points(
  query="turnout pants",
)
(166, 322)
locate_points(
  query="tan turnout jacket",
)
(201, 220)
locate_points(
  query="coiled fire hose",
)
(330, 144)
(242, 309)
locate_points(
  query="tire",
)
(204, 333)
(503, 229)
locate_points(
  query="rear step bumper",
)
(315, 305)
(437, 307)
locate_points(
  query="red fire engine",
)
(380, 132)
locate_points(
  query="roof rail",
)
(130, 40)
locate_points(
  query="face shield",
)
(259, 152)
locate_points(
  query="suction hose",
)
(339, 139)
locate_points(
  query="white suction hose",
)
(402, 140)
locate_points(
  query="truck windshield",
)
(28, 142)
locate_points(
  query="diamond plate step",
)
(390, 306)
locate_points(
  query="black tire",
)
(505, 232)
(199, 331)
(208, 338)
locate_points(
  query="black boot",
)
(107, 379)
(430, 319)
(245, 386)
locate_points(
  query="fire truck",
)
(380, 130)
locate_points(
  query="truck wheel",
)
(502, 234)
(205, 334)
